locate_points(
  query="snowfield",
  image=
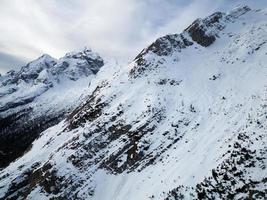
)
(40, 95)
(185, 120)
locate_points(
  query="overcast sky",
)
(113, 28)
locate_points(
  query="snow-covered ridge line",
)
(190, 124)
(202, 31)
(39, 95)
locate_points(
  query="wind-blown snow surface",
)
(186, 119)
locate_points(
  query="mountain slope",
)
(186, 119)
(39, 95)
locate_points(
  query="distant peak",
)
(86, 52)
(45, 56)
(42, 59)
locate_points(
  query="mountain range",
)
(186, 119)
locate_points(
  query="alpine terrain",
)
(186, 119)
(39, 96)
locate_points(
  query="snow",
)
(209, 115)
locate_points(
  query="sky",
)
(117, 29)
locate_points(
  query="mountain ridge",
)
(24, 110)
(184, 120)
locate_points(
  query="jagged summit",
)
(185, 120)
(202, 32)
(205, 31)
(83, 62)
(26, 106)
(85, 52)
(73, 65)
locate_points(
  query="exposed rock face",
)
(22, 117)
(182, 121)
(202, 31)
(164, 46)
(198, 30)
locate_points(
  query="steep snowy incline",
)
(185, 120)
(39, 95)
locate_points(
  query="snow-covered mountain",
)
(185, 120)
(39, 95)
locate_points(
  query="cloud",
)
(8, 61)
(114, 28)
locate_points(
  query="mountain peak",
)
(203, 32)
(32, 99)
(191, 126)
(84, 53)
(45, 57)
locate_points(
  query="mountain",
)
(185, 120)
(39, 95)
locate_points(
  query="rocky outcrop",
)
(202, 31)
(199, 29)
(21, 117)
(191, 124)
